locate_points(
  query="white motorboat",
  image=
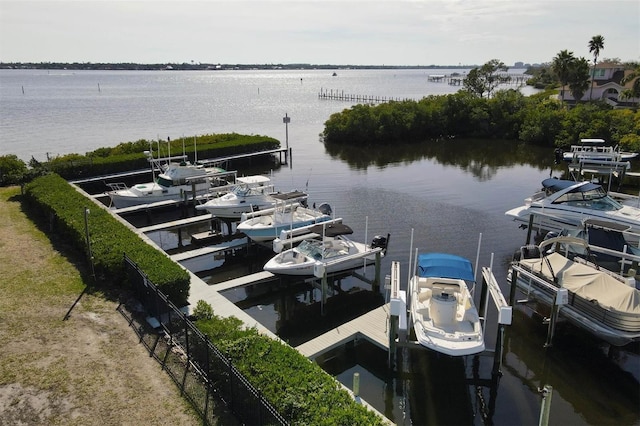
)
(266, 225)
(328, 251)
(249, 194)
(175, 181)
(443, 313)
(600, 301)
(596, 150)
(565, 204)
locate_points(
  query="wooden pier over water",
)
(340, 95)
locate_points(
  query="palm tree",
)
(561, 66)
(634, 76)
(596, 44)
(579, 78)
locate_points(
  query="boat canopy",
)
(445, 265)
(591, 284)
(555, 185)
(592, 141)
(331, 229)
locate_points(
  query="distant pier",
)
(340, 95)
(457, 79)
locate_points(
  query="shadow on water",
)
(583, 371)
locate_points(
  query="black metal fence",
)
(203, 374)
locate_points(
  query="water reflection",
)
(480, 158)
(580, 369)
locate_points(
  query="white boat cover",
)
(588, 283)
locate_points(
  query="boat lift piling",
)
(399, 314)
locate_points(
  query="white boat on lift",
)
(443, 313)
(266, 225)
(600, 301)
(566, 203)
(249, 194)
(329, 250)
(593, 149)
(175, 180)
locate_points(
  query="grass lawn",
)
(84, 369)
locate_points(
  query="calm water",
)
(448, 195)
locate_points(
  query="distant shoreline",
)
(215, 67)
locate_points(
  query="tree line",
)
(480, 110)
(508, 114)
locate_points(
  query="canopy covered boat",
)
(329, 250)
(602, 302)
(443, 313)
(566, 203)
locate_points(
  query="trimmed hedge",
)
(296, 387)
(63, 208)
(130, 155)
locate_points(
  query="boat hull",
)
(593, 298)
(444, 317)
(580, 314)
(133, 197)
(261, 232)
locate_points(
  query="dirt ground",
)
(84, 369)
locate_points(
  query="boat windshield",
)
(311, 248)
(594, 199)
(164, 181)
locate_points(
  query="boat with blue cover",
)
(443, 312)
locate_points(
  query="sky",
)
(345, 32)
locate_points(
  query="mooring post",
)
(376, 278)
(562, 297)
(512, 291)
(393, 329)
(529, 229)
(323, 285)
(547, 391)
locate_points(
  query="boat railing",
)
(117, 186)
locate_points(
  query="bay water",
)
(448, 197)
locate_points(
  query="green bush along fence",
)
(198, 368)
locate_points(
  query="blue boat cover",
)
(559, 184)
(445, 266)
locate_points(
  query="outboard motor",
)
(325, 208)
(380, 242)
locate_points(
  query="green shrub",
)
(297, 387)
(57, 203)
(130, 155)
(12, 170)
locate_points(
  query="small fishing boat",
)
(329, 250)
(600, 301)
(443, 313)
(249, 194)
(176, 180)
(266, 225)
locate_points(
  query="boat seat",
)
(424, 295)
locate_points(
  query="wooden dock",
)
(374, 326)
(176, 224)
(212, 294)
(202, 251)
